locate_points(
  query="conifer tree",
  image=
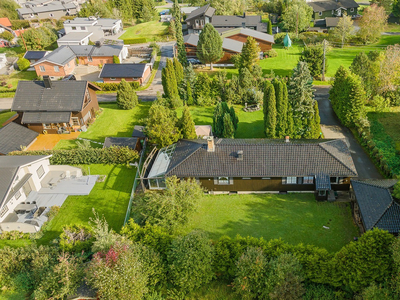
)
(234, 118)
(189, 95)
(281, 107)
(218, 115)
(178, 71)
(209, 47)
(269, 110)
(317, 121)
(187, 125)
(176, 13)
(169, 85)
(229, 130)
(126, 96)
(250, 54)
(269, 27)
(300, 93)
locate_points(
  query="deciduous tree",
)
(372, 23)
(297, 16)
(209, 47)
(368, 71)
(344, 29)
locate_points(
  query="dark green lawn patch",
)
(14, 243)
(296, 218)
(109, 198)
(5, 115)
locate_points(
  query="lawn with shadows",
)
(251, 124)
(296, 218)
(109, 198)
(152, 31)
(5, 115)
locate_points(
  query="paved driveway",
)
(332, 128)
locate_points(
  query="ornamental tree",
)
(269, 110)
(297, 16)
(372, 23)
(209, 47)
(186, 125)
(344, 29)
(126, 96)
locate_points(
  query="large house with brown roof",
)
(55, 106)
(257, 165)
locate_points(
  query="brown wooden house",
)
(264, 40)
(55, 106)
(257, 165)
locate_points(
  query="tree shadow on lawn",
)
(280, 72)
(253, 129)
(294, 220)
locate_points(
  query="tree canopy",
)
(209, 47)
(297, 16)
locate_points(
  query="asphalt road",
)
(332, 128)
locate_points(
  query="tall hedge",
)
(110, 156)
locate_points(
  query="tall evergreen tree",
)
(234, 117)
(269, 110)
(317, 121)
(250, 54)
(281, 107)
(229, 130)
(189, 95)
(368, 71)
(209, 47)
(126, 96)
(217, 119)
(269, 27)
(186, 125)
(176, 13)
(300, 93)
(178, 71)
(170, 85)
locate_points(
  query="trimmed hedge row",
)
(109, 87)
(135, 41)
(8, 91)
(110, 156)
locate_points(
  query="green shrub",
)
(23, 64)
(76, 238)
(112, 155)
(113, 87)
(6, 35)
(271, 53)
(116, 59)
(135, 41)
(313, 37)
(13, 235)
(19, 24)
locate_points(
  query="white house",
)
(98, 27)
(74, 39)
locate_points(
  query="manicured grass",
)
(392, 28)
(284, 63)
(5, 115)
(14, 243)
(152, 31)
(15, 77)
(251, 124)
(296, 218)
(109, 198)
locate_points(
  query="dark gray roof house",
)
(14, 136)
(138, 131)
(34, 55)
(374, 206)
(205, 10)
(123, 70)
(61, 56)
(258, 164)
(333, 8)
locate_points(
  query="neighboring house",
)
(49, 10)
(130, 72)
(373, 205)
(257, 165)
(333, 8)
(98, 27)
(264, 40)
(34, 56)
(230, 47)
(4, 43)
(74, 38)
(130, 142)
(196, 20)
(15, 137)
(55, 106)
(30, 186)
(3, 60)
(63, 60)
(5, 25)
(203, 131)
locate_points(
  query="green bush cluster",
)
(13, 235)
(19, 24)
(76, 238)
(271, 53)
(8, 91)
(135, 41)
(112, 155)
(111, 87)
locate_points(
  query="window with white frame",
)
(17, 195)
(75, 121)
(4, 210)
(289, 180)
(90, 58)
(112, 78)
(40, 172)
(320, 13)
(308, 180)
(46, 126)
(223, 180)
(56, 69)
(334, 179)
(42, 69)
(352, 9)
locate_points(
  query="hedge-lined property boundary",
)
(108, 156)
(135, 41)
(112, 87)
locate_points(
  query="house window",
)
(308, 180)
(73, 28)
(246, 178)
(334, 179)
(352, 9)
(90, 58)
(75, 121)
(17, 195)
(40, 172)
(42, 69)
(320, 13)
(299, 180)
(4, 210)
(112, 78)
(333, 12)
(46, 126)
(83, 28)
(289, 180)
(51, 15)
(223, 181)
(264, 178)
(56, 69)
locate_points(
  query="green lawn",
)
(5, 115)
(109, 198)
(296, 218)
(12, 295)
(15, 77)
(251, 124)
(152, 31)
(14, 243)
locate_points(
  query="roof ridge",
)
(200, 146)
(339, 160)
(384, 212)
(370, 184)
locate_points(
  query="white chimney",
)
(210, 144)
(240, 155)
(287, 139)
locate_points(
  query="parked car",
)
(69, 77)
(194, 61)
(164, 12)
